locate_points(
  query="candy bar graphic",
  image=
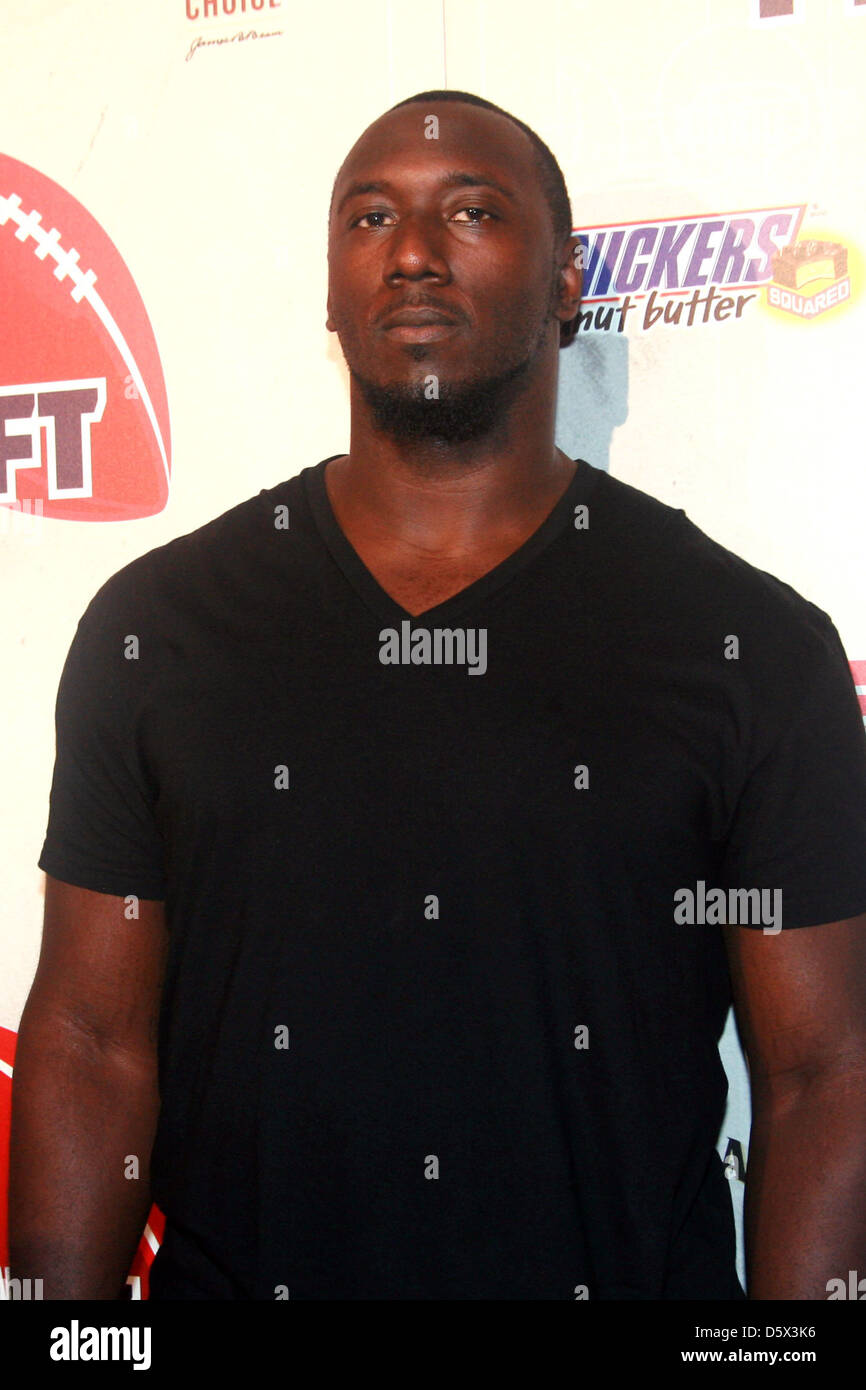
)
(800, 262)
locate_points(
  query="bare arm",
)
(800, 1000)
(85, 1097)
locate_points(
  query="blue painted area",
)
(736, 1125)
(593, 395)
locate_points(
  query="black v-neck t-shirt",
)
(431, 1028)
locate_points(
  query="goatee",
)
(453, 412)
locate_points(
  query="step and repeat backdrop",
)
(165, 170)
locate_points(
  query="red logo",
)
(858, 671)
(84, 427)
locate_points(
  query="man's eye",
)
(481, 212)
(363, 218)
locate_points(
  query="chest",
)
(418, 583)
(566, 747)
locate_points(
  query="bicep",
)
(800, 999)
(101, 967)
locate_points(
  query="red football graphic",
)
(858, 671)
(84, 427)
(7, 1063)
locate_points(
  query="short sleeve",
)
(800, 822)
(102, 833)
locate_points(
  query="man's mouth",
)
(418, 325)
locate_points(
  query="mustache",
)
(422, 301)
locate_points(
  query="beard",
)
(460, 411)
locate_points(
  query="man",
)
(408, 767)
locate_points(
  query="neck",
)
(450, 497)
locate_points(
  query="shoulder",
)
(670, 563)
(686, 606)
(216, 562)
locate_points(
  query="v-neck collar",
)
(380, 601)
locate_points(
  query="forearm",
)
(805, 1211)
(83, 1119)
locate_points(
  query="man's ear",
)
(329, 322)
(570, 279)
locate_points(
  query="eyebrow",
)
(456, 178)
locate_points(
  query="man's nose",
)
(416, 248)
